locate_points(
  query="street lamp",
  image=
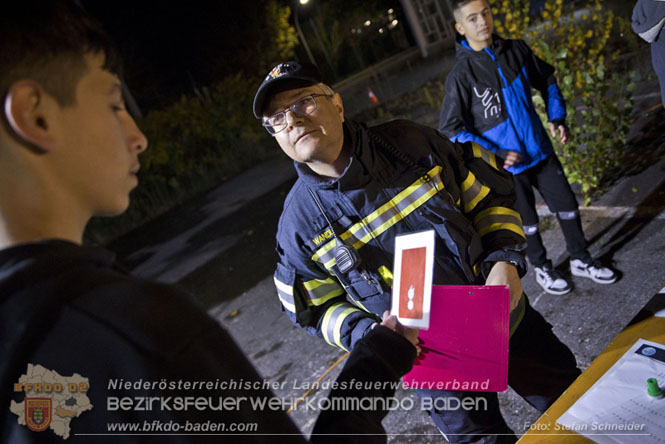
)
(299, 31)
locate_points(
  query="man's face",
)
(474, 21)
(313, 139)
(98, 144)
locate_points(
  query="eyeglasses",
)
(301, 108)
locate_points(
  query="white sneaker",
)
(551, 281)
(592, 270)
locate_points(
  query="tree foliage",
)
(204, 138)
(583, 47)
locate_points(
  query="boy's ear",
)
(26, 110)
(459, 28)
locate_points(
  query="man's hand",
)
(411, 334)
(564, 134)
(512, 158)
(504, 273)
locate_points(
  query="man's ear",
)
(459, 28)
(337, 101)
(26, 110)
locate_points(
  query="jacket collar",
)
(463, 50)
(29, 263)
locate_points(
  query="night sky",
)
(171, 47)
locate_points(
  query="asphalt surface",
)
(220, 247)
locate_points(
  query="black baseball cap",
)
(294, 74)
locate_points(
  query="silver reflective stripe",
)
(473, 191)
(568, 215)
(402, 207)
(530, 230)
(333, 320)
(285, 293)
(486, 155)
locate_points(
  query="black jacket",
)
(488, 100)
(65, 308)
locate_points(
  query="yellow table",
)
(644, 325)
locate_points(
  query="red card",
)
(411, 292)
(412, 281)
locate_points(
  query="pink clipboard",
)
(466, 345)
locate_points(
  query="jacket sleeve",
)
(454, 115)
(381, 357)
(485, 193)
(541, 75)
(317, 302)
(648, 19)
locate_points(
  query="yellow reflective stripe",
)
(472, 192)
(498, 218)
(517, 229)
(323, 250)
(497, 211)
(359, 304)
(485, 154)
(285, 294)
(320, 291)
(331, 325)
(396, 209)
(468, 182)
(402, 195)
(386, 274)
(406, 211)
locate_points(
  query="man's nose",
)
(291, 118)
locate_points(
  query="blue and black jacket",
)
(488, 100)
(463, 194)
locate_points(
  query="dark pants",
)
(548, 178)
(540, 368)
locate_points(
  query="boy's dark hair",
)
(458, 4)
(47, 41)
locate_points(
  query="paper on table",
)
(617, 408)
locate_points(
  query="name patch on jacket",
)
(321, 238)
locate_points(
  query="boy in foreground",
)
(88, 350)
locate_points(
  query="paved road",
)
(220, 248)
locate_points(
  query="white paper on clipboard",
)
(617, 408)
(412, 278)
